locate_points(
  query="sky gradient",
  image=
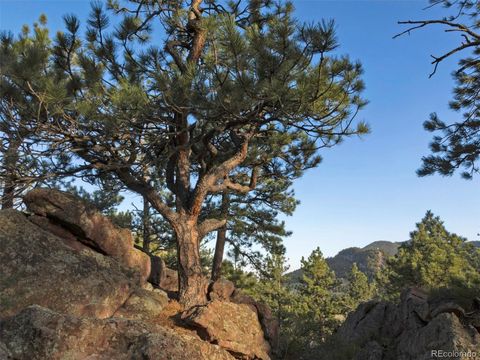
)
(365, 189)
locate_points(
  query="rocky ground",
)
(73, 286)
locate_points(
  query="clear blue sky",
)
(365, 189)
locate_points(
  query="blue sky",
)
(365, 189)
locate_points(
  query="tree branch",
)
(210, 225)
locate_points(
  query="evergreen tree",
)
(23, 62)
(285, 302)
(227, 94)
(359, 289)
(432, 259)
(320, 303)
(457, 145)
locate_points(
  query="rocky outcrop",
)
(409, 330)
(161, 276)
(234, 327)
(87, 225)
(66, 294)
(37, 267)
(37, 333)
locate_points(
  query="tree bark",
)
(9, 163)
(146, 226)
(192, 283)
(219, 250)
(221, 238)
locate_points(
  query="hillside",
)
(368, 259)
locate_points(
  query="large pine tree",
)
(204, 97)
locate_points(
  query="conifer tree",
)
(226, 94)
(318, 286)
(23, 62)
(457, 145)
(359, 289)
(433, 258)
(252, 229)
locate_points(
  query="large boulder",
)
(38, 333)
(89, 226)
(37, 267)
(365, 323)
(143, 304)
(444, 333)
(269, 323)
(221, 289)
(234, 327)
(409, 330)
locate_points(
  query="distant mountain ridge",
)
(369, 259)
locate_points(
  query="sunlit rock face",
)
(40, 268)
(89, 227)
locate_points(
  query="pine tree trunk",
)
(192, 283)
(146, 226)
(218, 256)
(9, 163)
(221, 239)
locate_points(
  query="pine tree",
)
(359, 289)
(227, 94)
(433, 258)
(23, 62)
(457, 145)
(320, 304)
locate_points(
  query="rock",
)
(89, 226)
(143, 305)
(372, 351)
(221, 289)
(38, 333)
(234, 327)
(5, 354)
(270, 325)
(415, 300)
(365, 323)
(413, 311)
(148, 286)
(161, 276)
(444, 332)
(62, 233)
(448, 307)
(409, 330)
(476, 303)
(37, 267)
(474, 319)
